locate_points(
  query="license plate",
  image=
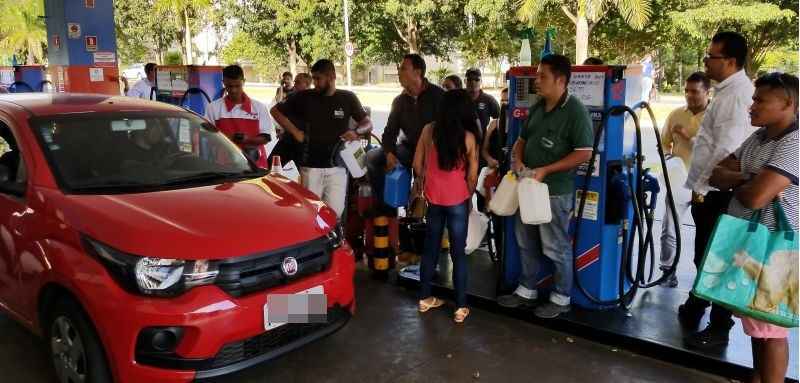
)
(307, 306)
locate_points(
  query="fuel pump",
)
(189, 86)
(614, 197)
(23, 78)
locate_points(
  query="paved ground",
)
(388, 341)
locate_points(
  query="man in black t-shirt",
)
(414, 108)
(485, 105)
(324, 113)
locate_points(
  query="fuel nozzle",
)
(650, 184)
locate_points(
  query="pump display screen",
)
(172, 81)
(526, 93)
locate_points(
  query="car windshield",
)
(138, 152)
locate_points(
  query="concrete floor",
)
(389, 341)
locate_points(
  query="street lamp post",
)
(348, 53)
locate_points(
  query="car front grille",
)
(246, 275)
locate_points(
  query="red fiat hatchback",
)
(145, 247)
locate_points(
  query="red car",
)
(145, 247)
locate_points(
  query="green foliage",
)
(22, 32)
(388, 29)
(243, 49)
(173, 58)
(438, 74)
(142, 34)
(766, 25)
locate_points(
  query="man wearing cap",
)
(485, 105)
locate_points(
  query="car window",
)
(137, 152)
(10, 157)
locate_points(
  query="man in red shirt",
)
(243, 120)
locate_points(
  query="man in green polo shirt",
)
(556, 138)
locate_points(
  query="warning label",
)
(590, 208)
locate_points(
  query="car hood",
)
(206, 222)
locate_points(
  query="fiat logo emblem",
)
(289, 266)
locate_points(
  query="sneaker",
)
(711, 337)
(550, 310)
(514, 301)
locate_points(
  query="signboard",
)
(91, 43)
(588, 87)
(73, 30)
(349, 49)
(105, 59)
(95, 74)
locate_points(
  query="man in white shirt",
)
(144, 86)
(725, 126)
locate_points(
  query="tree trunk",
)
(292, 57)
(581, 39)
(188, 37)
(413, 38)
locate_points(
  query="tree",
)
(388, 29)
(244, 49)
(303, 29)
(142, 34)
(186, 10)
(22, 31)
(586, 14)
(767, 26)
(492, 31)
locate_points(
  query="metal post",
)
(347, 40)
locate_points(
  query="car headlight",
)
(152, 276)
(336, 236)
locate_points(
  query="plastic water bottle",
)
(277, 168)
(525, 53)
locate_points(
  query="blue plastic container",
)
(396, 187)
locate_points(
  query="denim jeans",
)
(549, 240)
(456, 218)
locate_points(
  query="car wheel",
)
(75, 348)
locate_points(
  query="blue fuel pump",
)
(614, 197)
(189, 86)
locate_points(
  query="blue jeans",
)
(549, 240)
(456, 218)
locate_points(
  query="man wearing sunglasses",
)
(725, 126)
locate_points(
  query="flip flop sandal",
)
(423, 306)
(461, 314)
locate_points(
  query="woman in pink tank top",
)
(446, 162)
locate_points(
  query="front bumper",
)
(221, 333)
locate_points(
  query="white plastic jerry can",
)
(534, 202)
(355, 158)
(505, 201)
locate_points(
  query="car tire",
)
(74, 347)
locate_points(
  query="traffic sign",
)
(349, 49)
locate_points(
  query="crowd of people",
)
(739, 149)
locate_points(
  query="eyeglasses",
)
(709, 56)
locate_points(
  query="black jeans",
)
(705, 216)
(376, 169)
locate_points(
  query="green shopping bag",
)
(752, 271)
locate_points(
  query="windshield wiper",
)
(213, 176)
(111, 186)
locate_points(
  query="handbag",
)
(751, 270)
(418, 206)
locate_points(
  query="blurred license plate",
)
(307, 306)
